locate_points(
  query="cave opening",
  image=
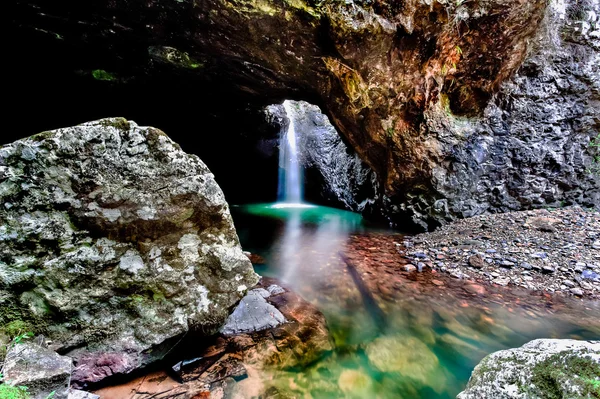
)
(236, 133)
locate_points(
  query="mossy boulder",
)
(113, 243)
(543, 368)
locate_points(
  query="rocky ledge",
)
(543, 368)
(114, 243)
(271, 328)
(547, 250)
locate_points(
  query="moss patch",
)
(553, 374)
(119, 123)
(101, 74)
(10, 392)
(173, 56)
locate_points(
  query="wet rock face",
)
(113, 242)
(541, 368)
(383, 70)
(531, 147)
(334, 173)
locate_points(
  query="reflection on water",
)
(430, 339)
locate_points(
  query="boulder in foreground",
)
(543, 368)
(114, 243)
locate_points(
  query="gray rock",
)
(476, 261)
(116, 237)
(539, 369)
(548, 269)
(252, 314)
(569, 283)
(506, 263)
(576, 291)
(40, 369)
(525, 265)
(409, 268)
(77, 394)
(275, 289)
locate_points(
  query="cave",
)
(390, 84)
(447, 154)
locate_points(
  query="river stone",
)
(253, 314)
(40, 369)
(405, 355)
(115, 242)
(77, 394)
(543, 368)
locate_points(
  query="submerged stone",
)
(406, 355)
(355, 383)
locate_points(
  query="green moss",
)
(10, 392)
(351, 81)
(101, 74)
(158, 296)
(551, 374)
(16, 327)
(183, 216)
(119, 123)
(173, 56)
(42, 136)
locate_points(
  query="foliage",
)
(101, 74)
(595, 166)
(10, 392)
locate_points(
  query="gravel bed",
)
(550, 250)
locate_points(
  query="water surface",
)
(421, 340)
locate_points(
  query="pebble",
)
(547, 260)
(525, 266)
(576, 291)
(476, 261)
(409, 268)
(548, 269)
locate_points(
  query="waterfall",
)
(290, 172)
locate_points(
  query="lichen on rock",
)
(114, 241)
(543, 368)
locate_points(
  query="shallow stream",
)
(421, 339)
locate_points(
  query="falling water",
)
(290, 172)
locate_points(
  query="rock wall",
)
(531, 148)
(378, 68)
(113, 243)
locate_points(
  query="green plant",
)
(19, 338)
(101, 74)
(10, 392)
(595, 166)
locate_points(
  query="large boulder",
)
(114, 242)
(543, 368)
